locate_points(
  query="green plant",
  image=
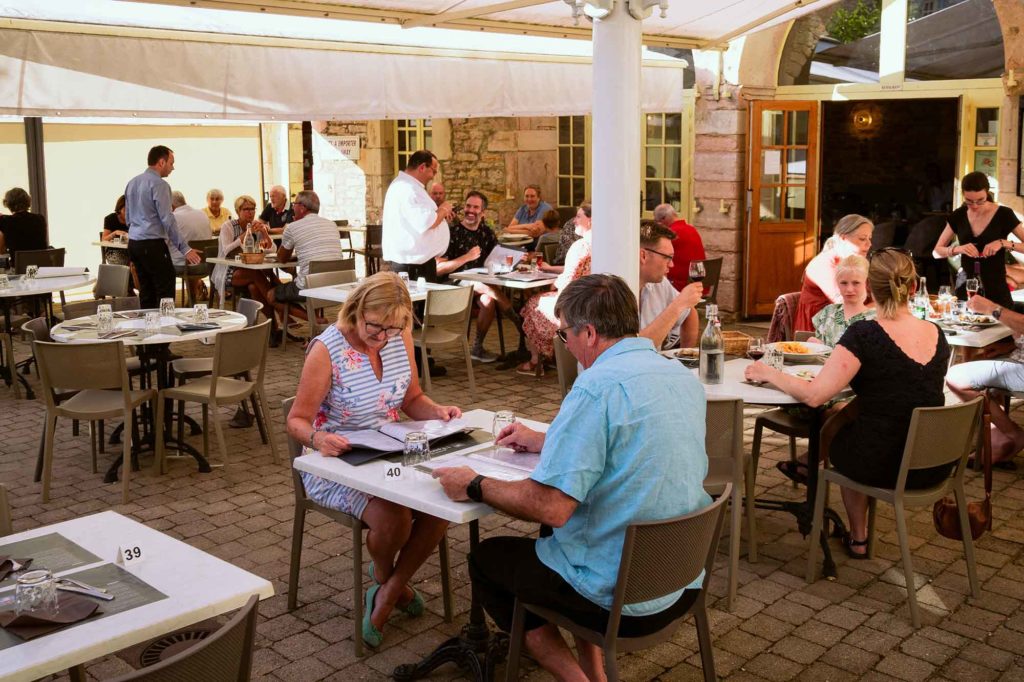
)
(849, 23)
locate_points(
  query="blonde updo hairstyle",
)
(854, 263)
(242, 201)
(891, 278)
(383, 293)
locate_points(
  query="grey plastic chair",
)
(224, 656)
(317, 267)
(937, 436)
(315, 306)
(200, 270)
(444, 319)
(658, 558)
(98, 373)
(303, 504)
(566, 366)
(240, 352)
(728, 463)
(112, 280)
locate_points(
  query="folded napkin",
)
(117, 334)
(7, 566)
(72, 609)
(198, 326)
(77, 327)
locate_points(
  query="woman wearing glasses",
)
(894, 364)
(358, 375)
(981, 228)
(851, 236)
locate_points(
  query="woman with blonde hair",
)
(852, 235)
(834, 319)
(358, 375)
(230, 241)
(894, 364)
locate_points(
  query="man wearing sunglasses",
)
(665, 316)
(627, 446)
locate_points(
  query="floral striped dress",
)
(356, 400)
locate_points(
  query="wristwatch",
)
(474, 491)
(997, 312)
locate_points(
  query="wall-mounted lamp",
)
(697, 207)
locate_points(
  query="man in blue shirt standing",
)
(151, 225)
(627, 446)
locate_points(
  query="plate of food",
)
(979, 320)
(807, 373)
(800, 351)
(688, 356)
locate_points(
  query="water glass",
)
(152, 323)
(167, 307)
(493, 268)
(421, 283)
(5, 282)
(773, 358)
(417, 449)
(104, 318)
(502, 419)
(31, 271)
(36, 591)
(200, 313)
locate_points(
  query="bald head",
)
(665, 215)
(438, 193)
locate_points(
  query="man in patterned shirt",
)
(471, 241)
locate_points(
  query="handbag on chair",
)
(945, 512)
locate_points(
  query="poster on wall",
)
(985, 161)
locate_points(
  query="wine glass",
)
(755, 349)
(502, 418)
(972, 287)
(697, 272)
(166, 307)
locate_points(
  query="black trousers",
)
(427, 270)
(153, 265)
(504, 568)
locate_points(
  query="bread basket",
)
(253, 258)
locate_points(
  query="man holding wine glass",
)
(665, 316)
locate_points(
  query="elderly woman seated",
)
(358, 375)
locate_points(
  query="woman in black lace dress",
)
(894, 364)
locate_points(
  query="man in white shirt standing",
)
(192, 226)
(415, 228)
(665, 314)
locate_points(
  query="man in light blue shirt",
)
(151, 225)
(527, 219)
(627, 446)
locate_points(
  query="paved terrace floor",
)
(856, 628)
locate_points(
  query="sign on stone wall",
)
(348, 145)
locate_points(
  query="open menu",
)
(369, 444)
(501, 463)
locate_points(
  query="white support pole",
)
(615, 188)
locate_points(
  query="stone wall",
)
(497, 156)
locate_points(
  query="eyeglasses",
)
(976, 202)
(666, 256)
(375, 330)
(891, 249)
(561, 333)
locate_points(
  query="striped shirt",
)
(356, 400)
(311, 238)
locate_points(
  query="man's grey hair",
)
(214, 193)
(309, 199)
(604, 301)
(177, 199)
(663, 212)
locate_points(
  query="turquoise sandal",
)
(371, 635)
(415, 606)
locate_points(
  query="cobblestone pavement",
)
(780, 628)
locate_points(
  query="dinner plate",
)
(807, 372)
(979, 320)
(688, 356)
(815, 351)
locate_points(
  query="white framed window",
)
(573, 159)
(411, 135)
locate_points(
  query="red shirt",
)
(687, 246)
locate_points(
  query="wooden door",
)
(783, 200)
